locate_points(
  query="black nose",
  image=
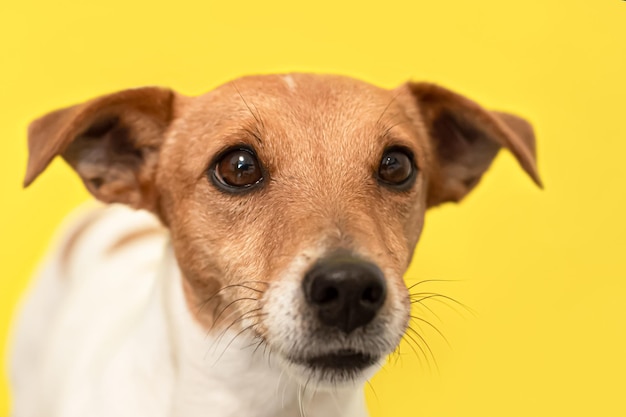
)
(346, 292)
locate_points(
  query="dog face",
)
(294, 202)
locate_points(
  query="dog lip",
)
(344, 359)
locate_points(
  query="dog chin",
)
(344, 368)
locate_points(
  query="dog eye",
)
(237, 169)
(397, 168)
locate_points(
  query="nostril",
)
(326, 295)
(372, 295)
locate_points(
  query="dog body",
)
(142, 354)
(268, 280)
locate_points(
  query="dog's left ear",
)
(466, 139)
(112, 142)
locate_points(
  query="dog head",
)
(294, 202)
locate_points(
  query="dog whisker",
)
(300, 405)
(253, 343)
(433, 327)
(269, 356)
(388, 129)
(260, 343)
(276, 392)
(239, 285)
(420, 337)
(232, 340)
(430, 310)
(432, 280)
(216, 318)
(424, 348)
(393, 98)
(267, 351)
(233, 317)
(420, 297)
(394, 356)
(369, 384)
(240, 318)
(413, 346)
(252, 326)
(256, 116)
(302, 396)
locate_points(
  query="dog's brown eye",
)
(396, 168)
(237, 169)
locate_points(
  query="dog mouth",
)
(340, 360)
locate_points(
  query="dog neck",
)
(221, 372)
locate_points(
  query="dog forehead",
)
(302, 86)
(292, 100)
(293, 111)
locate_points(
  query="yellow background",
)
(545, 270)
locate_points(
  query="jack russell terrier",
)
(263, 276)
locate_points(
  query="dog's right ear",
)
(112, 142)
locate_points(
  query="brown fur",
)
(112, 142)
(320, 144)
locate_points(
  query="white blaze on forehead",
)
(288, 79)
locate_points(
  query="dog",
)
(262, 275)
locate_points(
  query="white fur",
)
(291, 83)
(111, 336)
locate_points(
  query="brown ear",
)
(112, 142)
(466, 139)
